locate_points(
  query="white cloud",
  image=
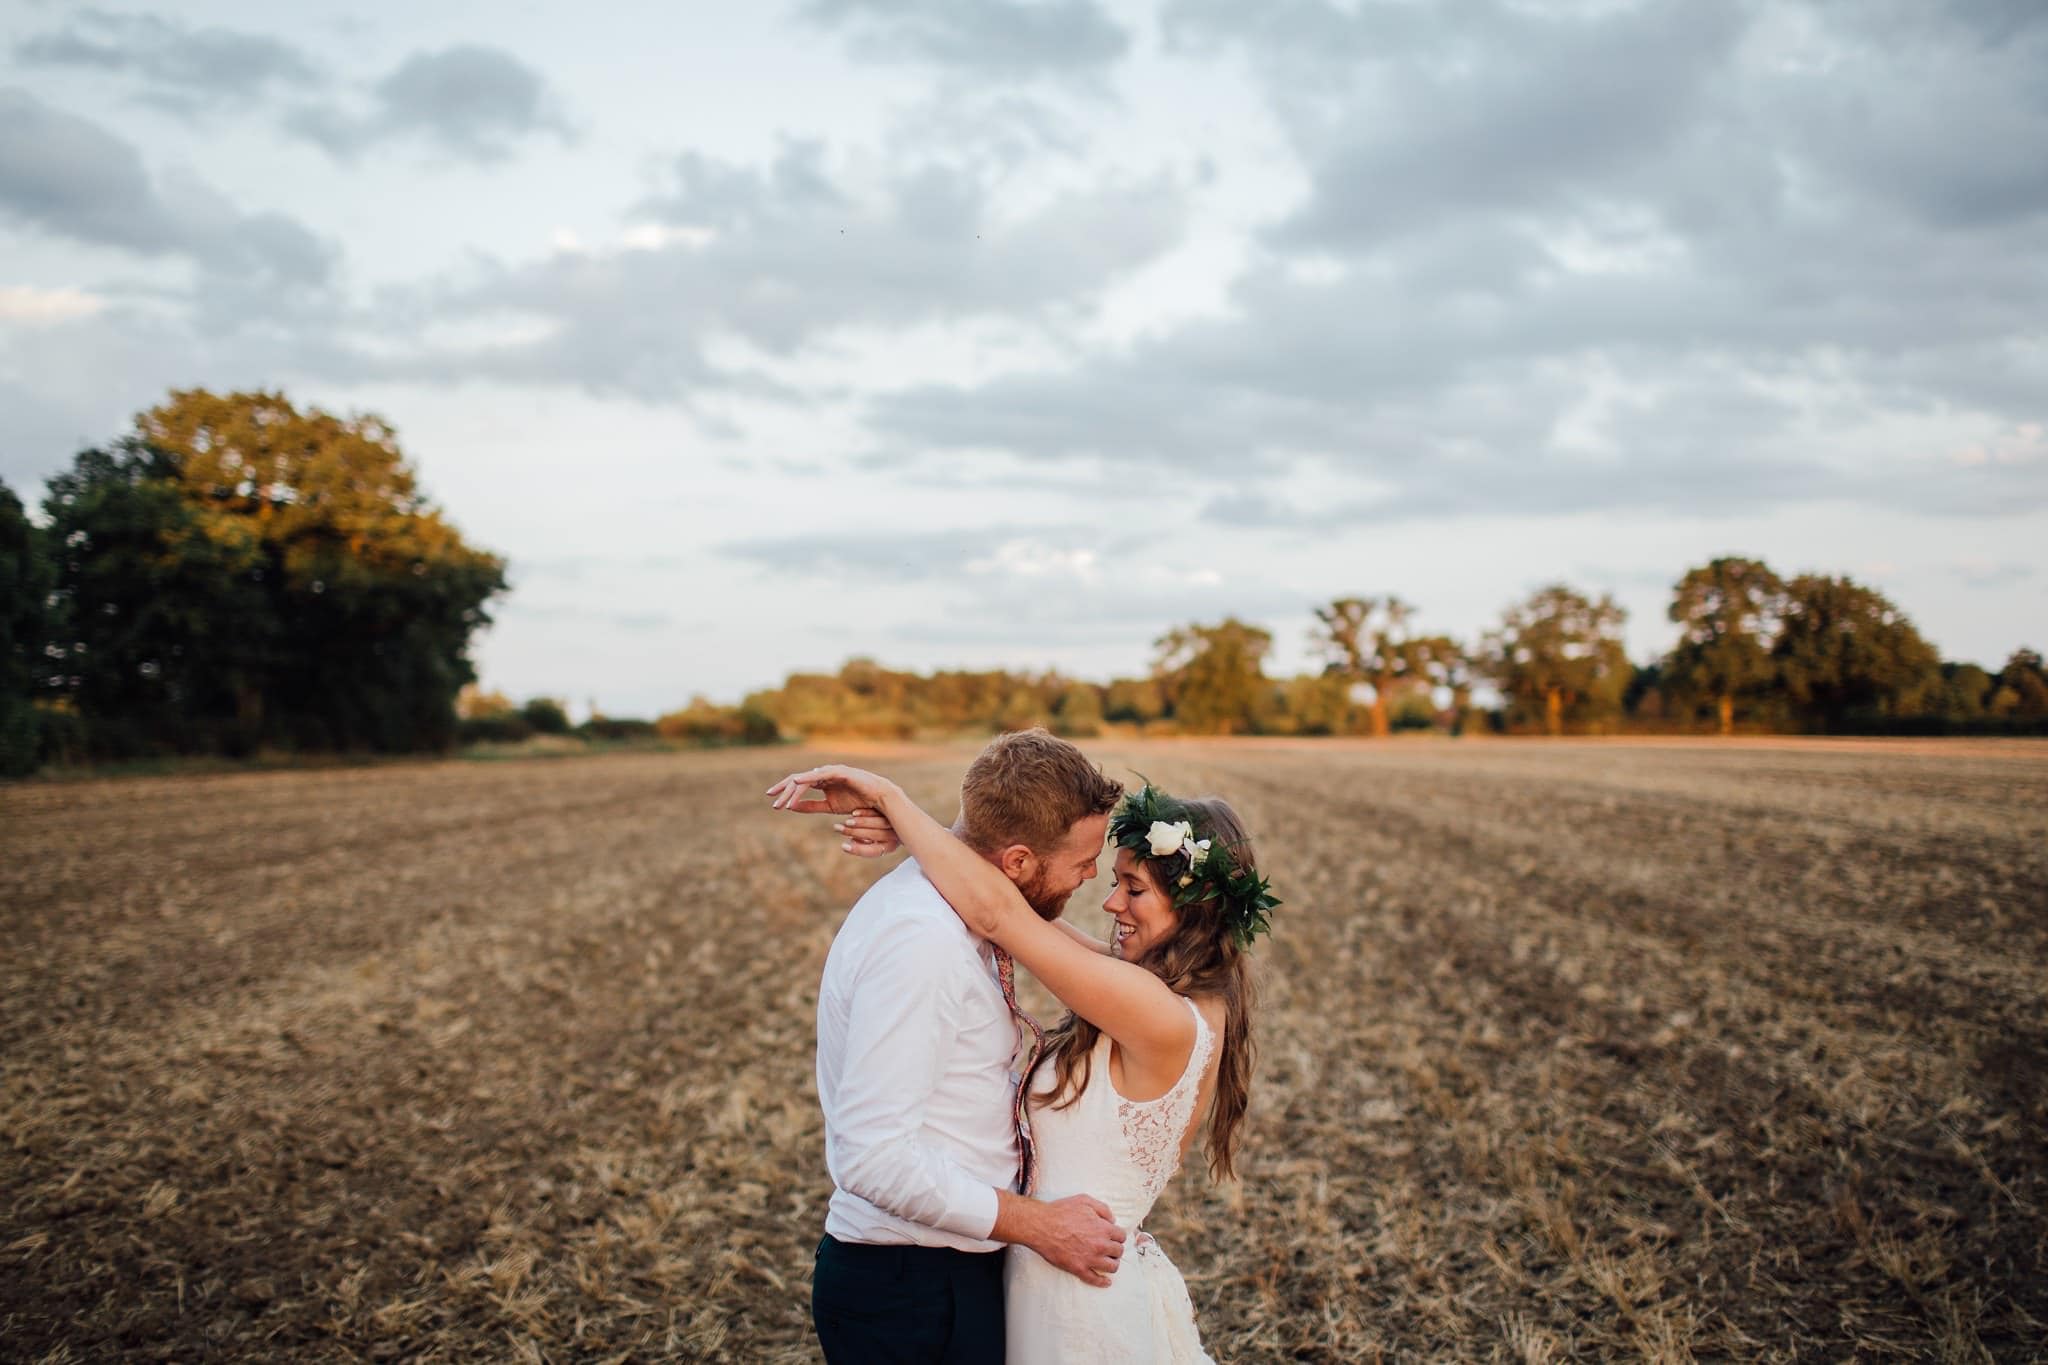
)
(29, 304)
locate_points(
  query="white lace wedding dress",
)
(1123, 1152)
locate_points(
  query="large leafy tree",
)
(1726, 611)
(1368, 640)
(1213, 676)
(24, 593)
(1560, 653)
(374, 595)
(1844, 648)
(239, 572)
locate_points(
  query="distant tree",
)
(24, 627)
(1644, 697)
(617, 729)
(1025, 710)
(1965, 692)
(1413, 705)
(546, 715)
(1213, 675)
(1560, 652)
(703, 721)
(2022, 688)
(1368, 640)
(1844, 648)
(1134, 700)
(1727, 611)
(1317, 704)
(1078, 715)
(475, 700)
(952, 700)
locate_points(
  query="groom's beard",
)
(1038, 895)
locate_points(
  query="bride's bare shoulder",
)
(1215, 1013)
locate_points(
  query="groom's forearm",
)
(1019, 1220)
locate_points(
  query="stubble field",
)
(1569, 1051)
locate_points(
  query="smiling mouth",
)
(1123, 931)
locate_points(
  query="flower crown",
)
(1141, 825)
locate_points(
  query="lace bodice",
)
(1121, 1151)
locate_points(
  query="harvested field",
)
(1571, 1050)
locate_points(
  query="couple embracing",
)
(941, 1156)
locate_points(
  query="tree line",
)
(1814, 653)
(238, 574)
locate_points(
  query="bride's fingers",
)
(793, 787)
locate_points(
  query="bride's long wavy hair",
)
(1200, 957)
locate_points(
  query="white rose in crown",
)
(1167, 839)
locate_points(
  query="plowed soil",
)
(1572, 1050)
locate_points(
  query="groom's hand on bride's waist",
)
(1078, 1234)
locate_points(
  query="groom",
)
(915, 1044)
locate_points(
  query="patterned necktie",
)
(1006, 974)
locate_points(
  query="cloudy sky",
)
(1015, 332)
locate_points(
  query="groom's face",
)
(1061, 870)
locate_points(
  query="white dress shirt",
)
(915, 1044)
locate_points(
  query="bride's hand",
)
(840, 790)
(868, 834)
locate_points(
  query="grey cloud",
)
(782, 254)
(1954, 140)
(182, 68)
(1542, 114)
(1452, 408)
(70, 177)
(1644, 206)
(1005, 39)
(1405, 114)
(470, 101)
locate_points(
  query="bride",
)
(1154, 1052)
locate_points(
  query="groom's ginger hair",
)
(1030, 787)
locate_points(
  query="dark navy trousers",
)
(891, 1305)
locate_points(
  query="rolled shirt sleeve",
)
(899, 1023)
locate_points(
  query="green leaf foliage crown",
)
(1200, 873)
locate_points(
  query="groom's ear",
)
(1018, 863)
